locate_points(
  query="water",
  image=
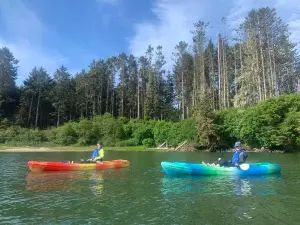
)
(142, 194)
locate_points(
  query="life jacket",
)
(236, 156)
(242, 156)
(95, 154)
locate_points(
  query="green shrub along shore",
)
(272, 124)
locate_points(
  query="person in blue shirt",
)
(239, 155)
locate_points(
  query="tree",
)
(158, 82)
(61, 93)
(183, 77)
(149, 110)
(205, 117)
(36, 95)
(8, 75)
(199, 39)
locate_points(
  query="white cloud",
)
(175, 18)
(175, 21)
(108, 10)
(240, 9)
(25, 39)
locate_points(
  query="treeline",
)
(273, 124)
(259, 63)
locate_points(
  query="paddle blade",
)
(244, 166)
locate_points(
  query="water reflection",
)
(96, 184)
(72, 180)
(242, 187)
(51, 180)
(220, 185)
(264, 185)
(63, 181)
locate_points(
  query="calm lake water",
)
(142, 194)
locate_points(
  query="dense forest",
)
(208, 78)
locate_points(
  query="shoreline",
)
(36, 149)
(91, 148)
(70, 149)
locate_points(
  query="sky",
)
(51, 33)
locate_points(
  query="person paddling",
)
(239, 157)
(98, 153)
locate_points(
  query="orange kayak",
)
(38, 166)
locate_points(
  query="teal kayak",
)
(263, 168)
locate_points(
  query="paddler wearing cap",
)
(239, 155)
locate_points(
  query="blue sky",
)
(50, 33)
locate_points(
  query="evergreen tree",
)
(8, 91)
(36, 95)
(61, 94)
